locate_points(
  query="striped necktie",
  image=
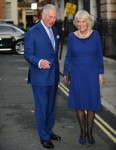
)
(51, 36)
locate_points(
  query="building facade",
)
(2, 9)
(25, 13)
(8, 10)
(102, 11)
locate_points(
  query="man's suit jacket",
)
(38, 46)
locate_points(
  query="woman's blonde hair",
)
(83, 14)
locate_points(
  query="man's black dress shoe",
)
(55, 137)
(47, 144)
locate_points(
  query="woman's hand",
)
(101, 79)
(66, 80)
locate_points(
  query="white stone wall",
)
(60, 5)
(108, 9)
(14, 13)
(93, 9)
(80, 5)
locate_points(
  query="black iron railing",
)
(107, 32)
(106, 28)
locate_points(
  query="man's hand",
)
(45, 64)
(101, 79)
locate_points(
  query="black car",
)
(11, 38)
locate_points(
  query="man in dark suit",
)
(41, 51)
(35, 19)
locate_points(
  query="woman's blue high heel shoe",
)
(91, 140)
(82, 141)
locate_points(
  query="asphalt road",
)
(17, 118)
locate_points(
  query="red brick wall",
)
(2, 9)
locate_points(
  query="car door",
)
(6, 37)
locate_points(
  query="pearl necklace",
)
(83, 36)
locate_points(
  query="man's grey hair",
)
(47, 7)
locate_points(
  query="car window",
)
(16, 30)
(6, 30)
(20, 28)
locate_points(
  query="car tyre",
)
(19, 47)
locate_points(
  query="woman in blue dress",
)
(84, 60)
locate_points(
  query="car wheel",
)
(19, 47)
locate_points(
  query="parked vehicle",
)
(11, 38)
